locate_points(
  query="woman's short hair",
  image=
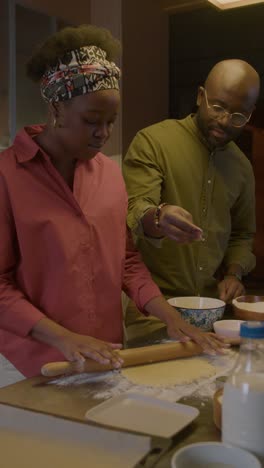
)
(46, 54)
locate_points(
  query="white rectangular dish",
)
(140, 413)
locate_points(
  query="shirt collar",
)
(193, 127)
(25, 145)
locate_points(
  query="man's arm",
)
(148, 214)
(239, 258)
(139, 286)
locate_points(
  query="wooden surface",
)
(73, 402)
(131, 357)
(35, 394)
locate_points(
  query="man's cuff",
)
(155, 241)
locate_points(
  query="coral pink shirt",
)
(65, 255)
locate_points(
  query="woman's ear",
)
(56, 115)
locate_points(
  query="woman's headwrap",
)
(78, 72)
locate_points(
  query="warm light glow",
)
(225, 4)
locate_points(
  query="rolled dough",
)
(169, 373)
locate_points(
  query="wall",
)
(142, 27)
(30, 107)
(77, 12)
(108, 14)
(4, 75)
(201, 38)
(145, 66)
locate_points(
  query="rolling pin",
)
(131, 357)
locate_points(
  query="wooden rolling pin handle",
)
(54, 369)
(131, 357)
(159, 352)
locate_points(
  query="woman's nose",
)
(102, 131)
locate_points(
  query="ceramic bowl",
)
(249, 307)
(199, 311)
(228, 328)
(213, 454)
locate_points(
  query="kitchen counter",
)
(72, 402)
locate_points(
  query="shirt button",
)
(209, 181)
(200, 268)
(204, 210)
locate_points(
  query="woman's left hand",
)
(183, 331)
(180, 330)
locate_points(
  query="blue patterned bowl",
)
(199, 311)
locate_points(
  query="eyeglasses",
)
(218, 112)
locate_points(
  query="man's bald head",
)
(231, 88)
(237, 77)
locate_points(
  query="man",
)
(191, 192)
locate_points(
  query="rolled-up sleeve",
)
(17, 314)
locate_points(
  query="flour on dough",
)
(169, 373)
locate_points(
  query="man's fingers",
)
(183, 224)
(177, 234)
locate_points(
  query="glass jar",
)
(243, 398)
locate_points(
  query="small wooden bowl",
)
(217, 408)
(242, 313)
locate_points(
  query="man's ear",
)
(200, 94)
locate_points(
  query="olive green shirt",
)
(170, 162)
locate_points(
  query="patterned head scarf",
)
(78, 72)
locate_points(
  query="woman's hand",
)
(179, 329)
(183, 331)
(78, 347)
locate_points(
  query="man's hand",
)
(177, 224)
(230, 288)
(174, 223)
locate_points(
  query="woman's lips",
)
(97, 145)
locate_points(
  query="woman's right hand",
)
(77, 347)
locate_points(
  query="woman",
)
(65, 252)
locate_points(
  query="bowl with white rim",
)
(228, 328)
(249, 307)
(199, 311)
(215, 455)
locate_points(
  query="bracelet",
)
(236, 275)
(157, 214)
